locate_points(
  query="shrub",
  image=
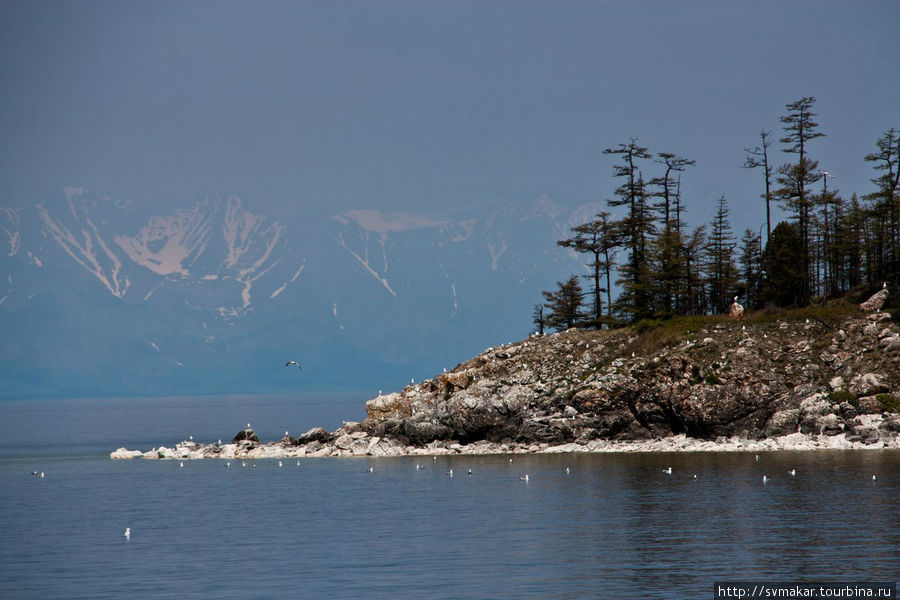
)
(888, 402)
(713, 379)
(844, 396)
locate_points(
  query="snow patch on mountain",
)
(364, 261)
(9, 225)
(168, 245)
(86, 246)
(380, 221)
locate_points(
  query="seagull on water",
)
(757, 458)
(298, 463)
(469, 473)
(568, 471)
(765, 479)
(228, 465)
(279, 464)
(181, 464)
(419, 467)
(792, 472)
(450, 473)
(524, 478)
(371, 469)
(292, 362)
(874, 478)
(127, 533)
(668, 471)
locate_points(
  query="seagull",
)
(757, 458)
(568, 471)
(469, 473)
(419, 467)
(668, 471)
(792, 472)
(765, 479)
(220, 441)
(243, 464)
(285, 434)
(450, 473)
(292, 362)
(191, 438)
(248, 425)
(279, 464)
(873, 477)
(510, 461)
(298, 463)
(371, 469)
(524, 478)
(127, 533)
(42, 475)
(227, 465)
(181, 464)
(434, 459)
(695, 476)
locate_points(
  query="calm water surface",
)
(616, 527)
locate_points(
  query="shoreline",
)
(382, 447)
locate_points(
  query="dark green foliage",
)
(564, 305)
(782, 265)
(888, 403)
(713, 379)
(844, 396)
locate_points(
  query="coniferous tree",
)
(537, 317)
(758, 157)
(564, 305)
(598, 239)
(721, 272)
(795, 178)
(668, 254)
(781, 263)
(751, 267)
(886, 201)
(636, 228)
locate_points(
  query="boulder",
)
(247, 434)
(316, 434)
(875, 301)
(867, 384)
(124, 453)
(782, 422)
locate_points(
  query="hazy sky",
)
(428, 105)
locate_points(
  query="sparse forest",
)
(829, 247)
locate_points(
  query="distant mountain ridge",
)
(104, 296)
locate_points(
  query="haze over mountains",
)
(101, 295)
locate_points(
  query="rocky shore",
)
(805, 380)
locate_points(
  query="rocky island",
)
(805, 379)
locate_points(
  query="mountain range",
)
(100, 295)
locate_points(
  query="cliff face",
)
(821, 374)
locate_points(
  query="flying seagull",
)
(292, 362)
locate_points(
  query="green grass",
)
(888, 403)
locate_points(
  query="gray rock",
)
(868, 384)
(316, 434)
(782, 422)
(245, 435)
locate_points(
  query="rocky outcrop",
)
(767, 382)
(762, 379)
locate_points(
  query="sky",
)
(429, 106)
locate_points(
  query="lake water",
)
(617, 526)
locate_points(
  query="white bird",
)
(434, 459)
(419, 467)
(279, 464)
(248, 425)
(469, 473)
(292, 362)
(668, 471)
(220, 441)
(450, 473)
(180, 464)
(371, 469)
(568, 471)
(510, 461)
(412, 381)
(227, 465)
(524, 478)
(285, 434)
(757, 458)
(191, 438)
(243, 463)
(792, 472)
(873, 477)
(765, 479)
(695, 476)
(298, 463)
(127, 533)
(42, 475)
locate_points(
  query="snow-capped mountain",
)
(101, 296)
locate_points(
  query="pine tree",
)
(637, 227)
(886, 200)
(781, 262)
(795, 178)
(721, 272)
(668, 254)
(537, 317)
(564, 305)
(598, 239)
(751, 267)
(757, 157)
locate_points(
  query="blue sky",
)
(432, 105)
